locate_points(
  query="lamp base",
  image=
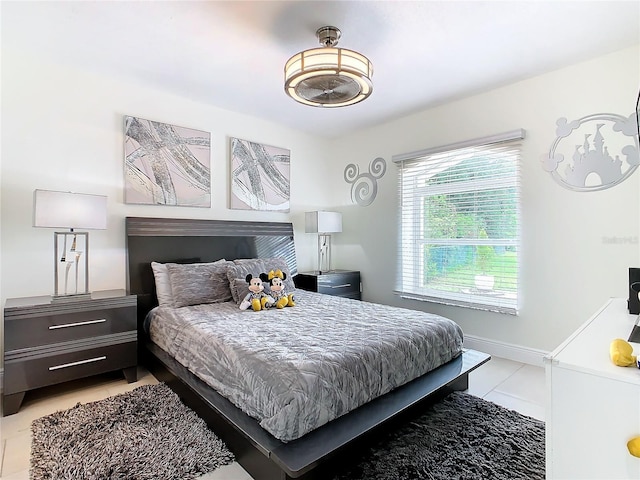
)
(70, 298)
(70, 263)
(324, 253)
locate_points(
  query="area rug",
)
(149, 434)
(462, 437)
(143, 434)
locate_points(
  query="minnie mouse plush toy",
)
(276, 282)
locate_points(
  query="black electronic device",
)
(635, 334)
(638, 115)
(634, 292)
(633, 304)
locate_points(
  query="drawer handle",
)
(77, 324)
(344, 285)
(81, 362)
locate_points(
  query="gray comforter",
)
(298, 368)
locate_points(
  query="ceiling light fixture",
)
(328, 76)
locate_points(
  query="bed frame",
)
(263, 456)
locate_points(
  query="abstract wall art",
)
(166, 164)
(260, 176)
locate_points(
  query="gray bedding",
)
(297, 368)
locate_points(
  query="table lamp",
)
(324, 224)
(70, 249)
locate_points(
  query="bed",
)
(277, 406)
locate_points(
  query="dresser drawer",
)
(34, 368)
(40, 329)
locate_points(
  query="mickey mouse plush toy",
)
(276, 282)
(256, 298)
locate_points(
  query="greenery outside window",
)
(459, 223)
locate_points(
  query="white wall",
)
(567, 271)
(62, 130)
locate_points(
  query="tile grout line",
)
(494, 389)
(515, 397)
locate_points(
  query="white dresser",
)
(593, 406)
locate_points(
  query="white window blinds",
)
(459, 223)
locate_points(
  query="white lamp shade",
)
(323, 222)
(69, 210)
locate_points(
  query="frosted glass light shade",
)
(69, 210)
(328, 76)
(323, 222)
(328, 63)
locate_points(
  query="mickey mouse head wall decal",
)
(364, 186)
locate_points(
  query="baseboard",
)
(517, 353)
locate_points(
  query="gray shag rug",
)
(143, 434)
(462, 437)
(149, 434)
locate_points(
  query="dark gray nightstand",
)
(47, 342)
(342, 283)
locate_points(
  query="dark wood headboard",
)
(183, 240)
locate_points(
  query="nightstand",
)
(48, 342)
(342, 283)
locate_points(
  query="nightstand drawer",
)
(340, 284)
(52, 340)
(37, 329)
(38, 367)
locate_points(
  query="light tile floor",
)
(514, 385)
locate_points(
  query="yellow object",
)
(256, 304)
(277, 273)
(634, 446)
(290, 298)
(286, 300)
(621, 353)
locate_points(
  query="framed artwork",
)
(166, 164)
(260, 176)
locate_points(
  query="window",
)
(459, 223)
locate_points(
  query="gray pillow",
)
(239, 270)
(163, 286)
(279, 263)
(161, 276)
(198, 283)
(239, 289)
(242, 267)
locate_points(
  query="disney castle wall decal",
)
(593, 153)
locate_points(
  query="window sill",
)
(475, 304)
